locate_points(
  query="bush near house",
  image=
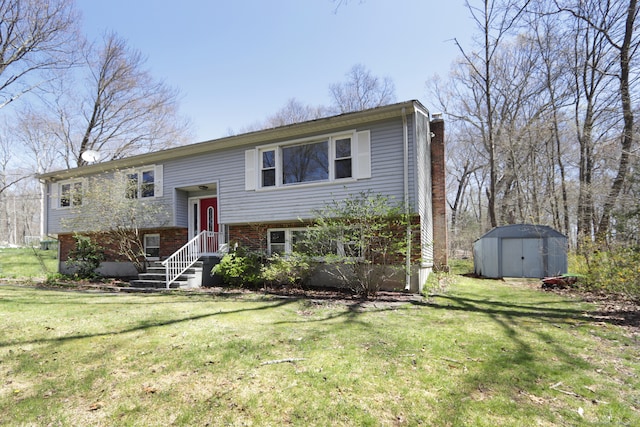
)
(240, 267)
(85, 257)
(292, 270)
(362, 239)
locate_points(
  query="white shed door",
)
(522, 258)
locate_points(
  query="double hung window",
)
(152, 246)
(284, 241)
(343, 164)
(140, 184)
(268, 168)
(322, 159)
(70, 194)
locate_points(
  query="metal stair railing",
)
(185, 257)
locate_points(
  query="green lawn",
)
(27, 263)
(482, 353)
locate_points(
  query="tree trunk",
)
(627, 136)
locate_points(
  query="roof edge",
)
(255, 137)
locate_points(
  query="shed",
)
(520, 250)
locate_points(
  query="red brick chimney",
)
(438, 191)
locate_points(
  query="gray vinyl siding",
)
(300, 202)
(180, 208)
(54, 214)
(424, 188)
(226, 168)
(164, 215)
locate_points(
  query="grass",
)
(483, 353)
(27, 263)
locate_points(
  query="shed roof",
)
(523, 231)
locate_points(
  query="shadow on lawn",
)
(537, 310)
(531, 356)
(149, 324)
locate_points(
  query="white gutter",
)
(293, 131)
(407, 210)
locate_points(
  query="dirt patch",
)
(611, 308)
(615, 309)
(335, 295)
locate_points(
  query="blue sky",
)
(236, 62)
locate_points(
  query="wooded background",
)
(539, 111)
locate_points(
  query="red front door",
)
(209, 214)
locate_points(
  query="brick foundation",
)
(171, 239)
(254, 236)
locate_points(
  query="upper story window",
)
(305, 162)
(140, 184)
(70, 194)
(343, 164)
(268, 168)
(328, 158)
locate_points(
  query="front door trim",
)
(195, 221)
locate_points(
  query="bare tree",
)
(608, 28)
(495, 20)
(33, 132)
(15, 205)
(295, 112)
(554, 60)
(35, 35)
(116, 107)
(361, 90)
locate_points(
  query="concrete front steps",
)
(155, 278)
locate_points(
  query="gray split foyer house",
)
(252, 187)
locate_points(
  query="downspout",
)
(44, 230)
(407, 211)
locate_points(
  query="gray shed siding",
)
(520, 250)
(557, 264)
(485, 253)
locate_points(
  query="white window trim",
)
(360, 161)
(288, 242)
(58, 192)
(157, 180)
(145, 245)
(288, 245)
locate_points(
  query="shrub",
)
(616, 270)
(363, 238)
(293, 269)
(240, 267)
(85, 257)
